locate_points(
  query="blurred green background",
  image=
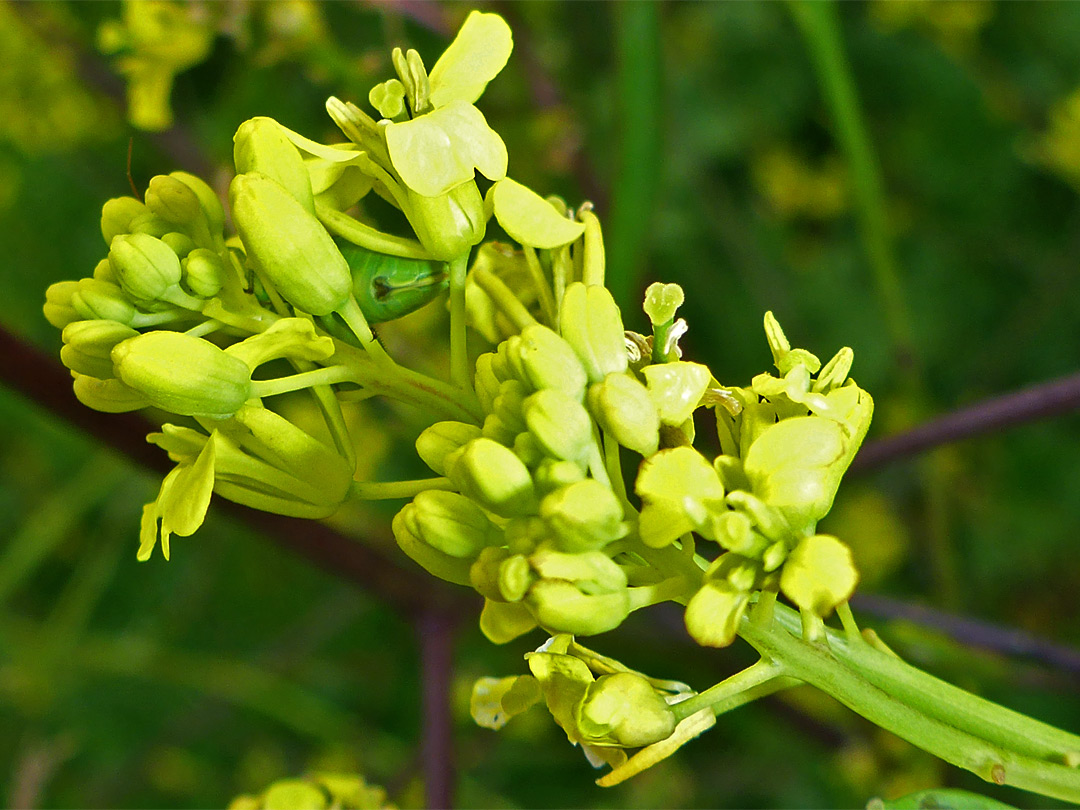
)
(723, 154)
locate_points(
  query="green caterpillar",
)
(389, 287)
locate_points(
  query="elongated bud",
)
(676, 388)
(623, 709)
(290, 246)
(208, 199)
(146, 267)
(451, 523)
(515, 578)
(548, 361)
(590, 322)
(583, 516)
(183, 374)
(88, 346)
(179, 243)
(560, 423)
(713, 613)
(58, 309)
(592, 571)
(102, 300)
(203, 273)
(107, 396)
(441, 439)
(484, 573)
(261, 145)
(552, 474)
(493, 476)
(819, 574)
(502, 622)
(561, 607)
(485, 381)
(448, 225)
(438, 563)
(175, 202)
(151, 224)
(117, 215)
(625, 409)
(509, 404)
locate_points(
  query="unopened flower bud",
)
(625, 410)
(261, 145)
(117, 215)
(502, 622)
(524, 534)
(561, 607)
(552, 474)
(151, 224)
(208, 199)
(102, 300)
(592, 571)
(515, 578)
(678, 487)
(509, 404)
(88, 346)
(107, 396)
(484, 573)
(528, 449)
(497, 430)
(592, 325)
(449, 224)
(442, 439)
(676, 388)
(203, 273)
(103, 272)
(290, 245)
(58, 309)
(548, 361)
(179, 243)
(624, 709)
(492, 475)
(485, 382)
(438, 563)
(819, 574)
(146, 267)
(175, 202)
(560, 424)
(183, 374)
(583, 516)
(451, 523)
(713, 613)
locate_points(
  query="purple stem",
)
(436, 631)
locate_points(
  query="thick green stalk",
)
(459, 357)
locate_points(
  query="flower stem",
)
(459, 357)
(387, 490)
(365, 236)
(356, 321)
(543, 289)
(305, 379)
(503, 298)
(727, 690)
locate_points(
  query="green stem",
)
(355, 320)
(305, 379)
(819, 25)
(503, 298)
(365, 236)
(388, 490)
(724, 692)
(543, 289)
(459, 356)
(818, 666)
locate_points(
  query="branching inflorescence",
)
(567, 489)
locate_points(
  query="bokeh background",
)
(908, 187)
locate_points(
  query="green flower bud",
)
(563, 679)
(151, 224)
(175, 202)
(773, 557)
(449, 224)
(735, 531)
(208, 199)
(713, 613)
(203, 273)
(591, 323)
(88, 346)
(293, 794)
(103, 272)
(623, 709)
(515, 578)
(560, 424)
(677, 487)
(107, 396)
(485, 382)
(451, 523)
(677, 388)
(179, 243)
(493, 476)
(102, 300)
(442, 439)
(591, 571)
(183, 374)
(509, 404)
(626, 411)
(58, 309)
(583, 516)
(561, 607)
(484, 573)
(552, 474)
(452, 569)
(502, 622)
(524, 534)
(819, 574)
(145, 266)
(548, 361)
(117, 215)
(497, 430)
(291, 247)
(528, 449)
(261, 145)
